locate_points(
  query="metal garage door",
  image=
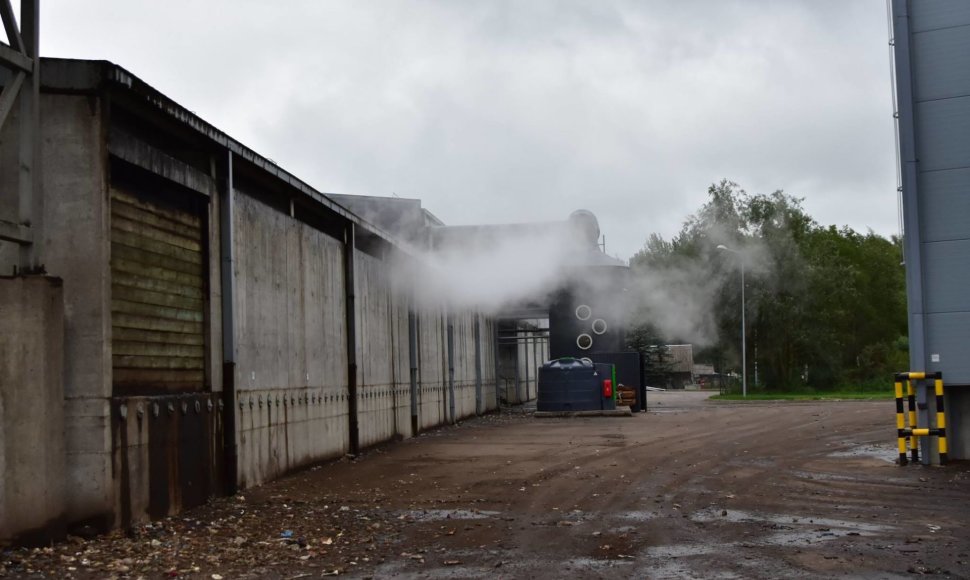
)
(157, 297)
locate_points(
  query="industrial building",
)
(931, 50)
(183, 318)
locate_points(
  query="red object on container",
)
(607, 388)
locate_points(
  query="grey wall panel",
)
(958, 409)
(945, 205)
(947, 275)
(939, 59)
(934, 14)
(943, 134)
(948, 335)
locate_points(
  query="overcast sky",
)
(500, 111)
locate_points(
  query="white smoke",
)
(488, 271)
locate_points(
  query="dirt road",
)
(692, 489)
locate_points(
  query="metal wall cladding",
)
(945, 205)
(157, 297)
(937, 14)
(947, 337)
(940, 57)
(939, 63)
(943, 133)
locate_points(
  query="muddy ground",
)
(691, 489)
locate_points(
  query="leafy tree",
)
(825, 306)
(654, 354)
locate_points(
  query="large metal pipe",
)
(350, 248)
(228, 280)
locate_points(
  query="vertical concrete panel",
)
(432, 377)
(376, 362)
(489, 386)
(291, 342)
(32, 492)
(77, 250)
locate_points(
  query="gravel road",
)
(691, 489)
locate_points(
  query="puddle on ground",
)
(638, 516)
(788, 521)
(458, 514)
(838, 477)
(885, 452)
(781, 530)
(596, 564)
(683, 550)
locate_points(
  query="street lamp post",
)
(744, 348)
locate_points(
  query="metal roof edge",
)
(79, 75)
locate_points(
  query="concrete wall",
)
(432, 368)
(382, 354)
(489, 385)
(291, 374)
(77, 250)
(32, 479)
(291, 342)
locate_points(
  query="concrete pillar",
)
(32, 461)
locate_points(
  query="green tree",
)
(825, 306)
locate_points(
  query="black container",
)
(570, 384)
(629, 372)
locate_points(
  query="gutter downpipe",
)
(912, 250)
(228, 280)
(478, 364)
(413, 358)
(451, 367)
(497, 361)
(351, 320)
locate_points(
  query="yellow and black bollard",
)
(912, 433)
(911, 405)
(940, 418)
(900, 422)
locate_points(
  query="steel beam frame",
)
(22, 58)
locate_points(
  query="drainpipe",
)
(518, 376)
(451, 366)
(496, 360)
(535, 356)
(478, 364)
(413, 357)
(228, 334)
(909, 169)
(525, 351)
(351, 310)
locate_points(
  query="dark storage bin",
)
(570, 384)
